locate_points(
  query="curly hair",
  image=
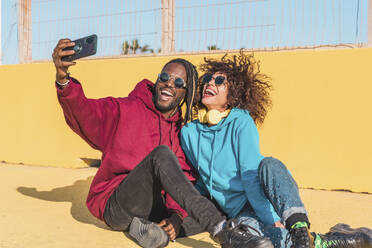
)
(248, 87)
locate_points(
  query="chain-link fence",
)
(129, 28)
(269, 24)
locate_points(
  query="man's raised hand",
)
(62, 66)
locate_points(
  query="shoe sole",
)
(155, 237)
(263, 243)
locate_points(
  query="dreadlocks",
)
(191, 84)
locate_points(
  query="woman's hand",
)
(278, 224)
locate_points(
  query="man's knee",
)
(163, 156)
(162, 151)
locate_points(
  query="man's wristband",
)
(64, 84)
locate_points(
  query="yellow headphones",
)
(212, 117)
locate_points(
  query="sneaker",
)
(235, 235)
(300, 236)
(148, 234)
(343, 228)
(342, 236)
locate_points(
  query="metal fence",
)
(116, 22)
(151, 27)
(269, 24)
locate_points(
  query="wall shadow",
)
(76, 194)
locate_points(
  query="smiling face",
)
(215, 96)
(167, 97)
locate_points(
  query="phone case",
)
(84, 47)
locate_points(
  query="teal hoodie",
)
(227, 157)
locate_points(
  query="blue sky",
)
(242, 23)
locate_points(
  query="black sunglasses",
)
(178, 82)
(217, 80)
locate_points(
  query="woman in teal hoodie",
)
(223, 145)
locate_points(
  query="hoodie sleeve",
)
(93, 120)
(249, 158)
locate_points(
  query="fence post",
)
(167, 26)
(24, 31)
(369, 44)
(1, 54)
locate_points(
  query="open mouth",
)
(209, 92)
(166, 94)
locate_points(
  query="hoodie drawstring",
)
(199, 152)
(159, 129)
(170, 135)
(212, 165)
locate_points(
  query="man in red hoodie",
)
(142, 157)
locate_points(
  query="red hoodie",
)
(125, 130)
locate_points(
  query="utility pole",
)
(24, 31)
(1, 45)
(369, 23)
(167, 26)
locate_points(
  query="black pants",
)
(139, 195)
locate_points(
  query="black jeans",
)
(139, 195)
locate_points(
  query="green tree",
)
(212, 47)
(134, 47)
(125, 47)
(146, 48)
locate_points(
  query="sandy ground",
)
(45, 207)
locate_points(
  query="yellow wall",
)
(320, 124)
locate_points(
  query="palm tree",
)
(212, 47)
(135, 46)
(146, 48)
(125, 47)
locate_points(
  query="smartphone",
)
(84, 47)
